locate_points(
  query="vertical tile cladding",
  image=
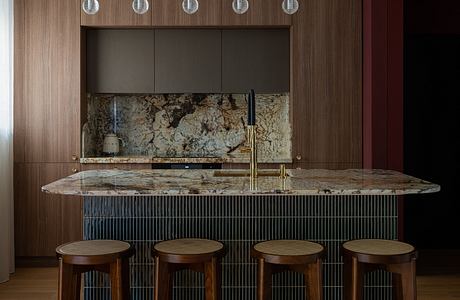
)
(239, 222)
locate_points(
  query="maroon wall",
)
(383, 33)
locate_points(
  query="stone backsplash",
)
(188, 125)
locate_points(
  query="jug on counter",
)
(112, 144)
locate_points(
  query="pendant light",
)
(90, 7)
(190, 6)
(140, 7)
(240, 6)
(290, 6)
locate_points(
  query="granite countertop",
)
(203, 182)
(229, 158)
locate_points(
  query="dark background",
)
(432, 121)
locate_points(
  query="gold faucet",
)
(252, 136)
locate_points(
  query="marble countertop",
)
(203, 182)
(229, 158)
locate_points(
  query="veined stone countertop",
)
(229, 158)
(203, 182)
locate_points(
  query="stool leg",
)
(314, 281)
(119, 279)
(353, 279)
(404, 281)
(212, 278)
(163, 280)
(264, 280)
(69, 282)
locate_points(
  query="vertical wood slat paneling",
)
(239, 222)
(47, 81)
(44, 221)
(326, 82)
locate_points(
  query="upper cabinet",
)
(255, 59)
(120, 61)
(47, 81)
(170, 13)
(116, 13)
(187, 61)
(327, 84)
(260, 13)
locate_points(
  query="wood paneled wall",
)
(326, 82)
(44, 221)
(47, 80)
(46, 122)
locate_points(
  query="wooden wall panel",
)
(51, 96)
(19, 116)
(26, 203)
(326, 83)
(260, 13)
(170, 13)
(60, 217)
(44, 221)
(116, 13)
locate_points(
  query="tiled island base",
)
(239, 222)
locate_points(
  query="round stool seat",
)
(379, 251)
(94, 251)
(288, 251)
(191, 250)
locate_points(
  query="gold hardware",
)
(74, 170)
(253, 144)
(283, 171)
(245, 149)
(74, 157)
(298, 157)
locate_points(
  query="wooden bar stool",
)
(289, 255)
(200, 255)
(106, 256)
(361, 256)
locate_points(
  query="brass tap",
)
(253, 146)
(283, 171)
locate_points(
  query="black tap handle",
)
(252, 108)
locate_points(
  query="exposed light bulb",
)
(240, 6)
(190, 6)
(90, 7)
(290, 6)
(140, 6)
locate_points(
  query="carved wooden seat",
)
(200, 255)
(361, 256)
(289, 255)
(106, 256)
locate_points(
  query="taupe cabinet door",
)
(257, 59)
(120, 61)
(187, 61)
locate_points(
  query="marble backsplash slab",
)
(188, 125)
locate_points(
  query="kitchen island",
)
(326, 206)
